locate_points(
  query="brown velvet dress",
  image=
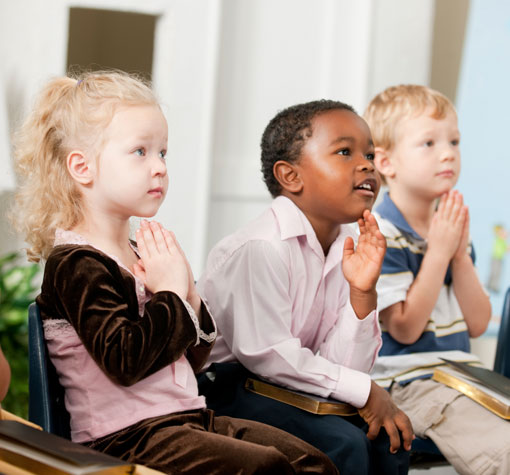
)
(97, 297)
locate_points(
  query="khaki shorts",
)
(473, 439)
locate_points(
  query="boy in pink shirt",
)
(295, 301)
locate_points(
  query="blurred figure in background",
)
(5, 375)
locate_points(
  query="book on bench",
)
(486, 387)
(43, 453)
(305, 401)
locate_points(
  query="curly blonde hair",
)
(386, 110)
(69, 113)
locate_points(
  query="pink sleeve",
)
(249, 299)
(354, 342)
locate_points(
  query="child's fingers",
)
(466, 222)
(159, 240)
(461, 218)
(170, 240)
(178, 245)
(174, 246)
(139, 272)
(458, 216)
(464, 236)
(450, 201)
(149, 245)
(362, 227)
(380, 240)
(365, 224)
(373, 430)
(372, 225)
(458, 206)
(348, 246)
(405, 427)
(442, 204)
(179, 248)
(141, 264)
(455, 208)
(140, 243)
(393, 434)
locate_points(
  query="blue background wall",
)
(483, 104)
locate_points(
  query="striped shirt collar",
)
(388, 210)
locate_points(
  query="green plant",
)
(17, 291)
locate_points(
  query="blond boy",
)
(430, 298)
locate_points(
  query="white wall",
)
(30, 51)
(223, 68)
(401, 43)
(33, 47)
(277, 53)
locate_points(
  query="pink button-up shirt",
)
(283, 309)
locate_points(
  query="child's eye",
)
(140, 152)
(370, 156)
(344, 151)
(455, 142)
(428, 143)
(162, 154)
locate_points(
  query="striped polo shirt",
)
(446, 329)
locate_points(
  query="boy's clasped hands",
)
(448, 235)
(163, 265)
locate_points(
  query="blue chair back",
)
(502, 359)
(46, 396)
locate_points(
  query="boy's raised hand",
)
(448, 226)
(381, 411)
(362, 266)
(162, 265)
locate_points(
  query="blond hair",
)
(69, 113)
(386, 110)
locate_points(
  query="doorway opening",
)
(106, 39)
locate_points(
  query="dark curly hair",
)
(287, 132)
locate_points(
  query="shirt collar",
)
(389, 211)
(68, 237)
(293, 223)
(291, 220)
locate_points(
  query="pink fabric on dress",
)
(97, 405)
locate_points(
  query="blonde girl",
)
(124, 325)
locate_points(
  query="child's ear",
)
(80, 167)
(383, 163)
(288, 176)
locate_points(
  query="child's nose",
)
(366, 165)
(159, 166)
(449, 153)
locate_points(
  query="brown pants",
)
(202, 443)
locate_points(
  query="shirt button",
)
(142, 288)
